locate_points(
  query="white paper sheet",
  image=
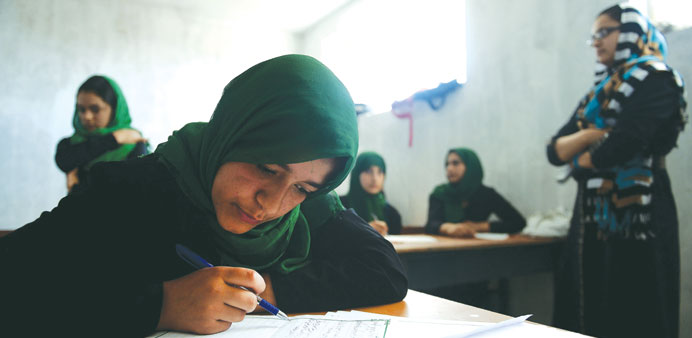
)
(301, 326)
(356, 324)
(410, 239)
(492, 236)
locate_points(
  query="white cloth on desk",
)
(551, 223)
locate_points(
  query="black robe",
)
(69, 156)
(619, 287)
(96, 263)
(484, 202)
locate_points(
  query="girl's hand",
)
(128, 136)
(568, 146)
(457, 230)
(72, 179)
(380, 226)
(464, 229)
(204, 301)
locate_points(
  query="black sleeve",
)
(58, 270)
(140, 149)
(435, 216)
(344, 202)
(351, 266)
(393, 219)
(511, 221)
(69, 156)
(650, 107)
(569, 128)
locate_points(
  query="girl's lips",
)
(247, 218)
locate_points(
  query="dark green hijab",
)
(366, 205)
(120, 120)
(289, 109)
(454, 195)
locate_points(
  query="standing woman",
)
(283, 133)
(366, 195)
(619, 275)
(462, 207)
(102, 132)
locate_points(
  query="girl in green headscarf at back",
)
(461, 208)
(366, 195)
(232, 191)
(101, 122)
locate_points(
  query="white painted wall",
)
(528, 65)
(171, 59)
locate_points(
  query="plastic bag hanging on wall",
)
(435, 98)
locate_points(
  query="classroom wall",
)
(528, 65)
(680, 170)
(171, 58)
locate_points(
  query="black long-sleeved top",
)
(391, 216)
(649, 126)
(484, 202)
(69, 156)
(97, 262)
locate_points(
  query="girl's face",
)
(93, 111)
(246, 195)
(605, 36)
(455, 168)
(372, 180)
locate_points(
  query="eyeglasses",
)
(601, 33)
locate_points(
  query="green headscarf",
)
(455, 194)
(289, 109)
(367, 206)
(120, 120)
(319, 210)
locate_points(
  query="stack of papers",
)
(356, 324)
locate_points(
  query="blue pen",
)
(198, 262)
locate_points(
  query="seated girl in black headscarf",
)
(104, 260)
(366, 195)
(102, 132)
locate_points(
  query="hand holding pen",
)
(203, 302)
(198, 262)
(378, 225)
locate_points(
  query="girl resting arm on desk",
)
(366, 194)
(461, 207)
(104, 259)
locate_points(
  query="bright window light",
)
(386, 50)
(670, 12)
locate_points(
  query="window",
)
(386, 50)
(672, 14)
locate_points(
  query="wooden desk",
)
(426, 307)
(422, 306)
(450, 261)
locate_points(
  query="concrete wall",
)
(680, 169)
(528, 65)
(171, 58)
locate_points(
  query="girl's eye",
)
(302, 190)
(265, 169)
(94, 109)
